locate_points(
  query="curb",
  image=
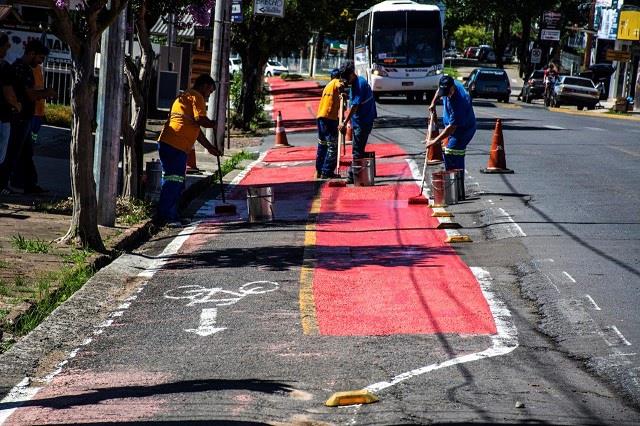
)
(595, 114)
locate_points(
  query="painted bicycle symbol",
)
(218, 296)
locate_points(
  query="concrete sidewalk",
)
(22, 217)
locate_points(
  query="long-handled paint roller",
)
(224, 208)
(421, 199)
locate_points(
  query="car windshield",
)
(404, 38)
(274, 63)
(578, 82)
(537, 74)
(491, 76)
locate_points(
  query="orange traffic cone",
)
(281, 134)
(191, 162)
(348, 137)
(497, 160)
(434, 153)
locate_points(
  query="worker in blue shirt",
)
(459, 120)
(362, 111)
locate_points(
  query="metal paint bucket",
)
(363, 171)
(260, 203)
(372, 155)
(153, 180)
(460, 183)
(444, 190)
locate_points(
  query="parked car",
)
(451, 53)
(573, 90)
(534, 87)
(275, 68)
(485, 54)
(471, 52)
(492, 83)
(235, 65)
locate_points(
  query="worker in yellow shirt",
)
(182, 129)
(327, 118)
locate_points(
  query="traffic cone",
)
(497, 161)
(191, 162)
(434, 153)
(348, 137)
(281, 134)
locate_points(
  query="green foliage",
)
(451, 71)
(471, 35)
(130, 211)
(30, 246)
(231, 163)
(58, 115)
(55, 207)
(77, 256)
(4, 264)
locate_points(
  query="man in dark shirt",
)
(19, 165)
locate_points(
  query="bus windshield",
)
(407, 38)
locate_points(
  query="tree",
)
(470, 35)
(81, 28)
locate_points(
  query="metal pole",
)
(109, 117)
(586, 61)
(216, 55)
(223, 87)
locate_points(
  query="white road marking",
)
(620, 335)
(566, 274)
(593, 302)
(207, 325)
(550, 127)
(503, 342)
(595, 129)
(20, 393)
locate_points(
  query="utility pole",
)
(109, 117)
(586, 60)
(225, 82)
(216, 64)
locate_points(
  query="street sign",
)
(269, 8)
(536, 56)
(551, 20)
(553, 35)
(618, 55)
(236, 11)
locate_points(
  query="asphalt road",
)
(204, 324)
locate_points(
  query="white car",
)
(235, 65)
(275, 68)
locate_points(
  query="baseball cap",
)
(335, 73)
(446, 82)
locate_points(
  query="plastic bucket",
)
(460, 184)
(444, 190)
(363, 172)
(371, 155)
(260, 203)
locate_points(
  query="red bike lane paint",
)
(381, 266)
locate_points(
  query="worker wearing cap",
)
(459, 120)
(327, 118)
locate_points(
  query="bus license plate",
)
(407, 83)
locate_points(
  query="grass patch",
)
(130, 211)
(291, 77)
(451, 71)
(69, 279)
(4, 290)
(77, 256)
(4, 264)
(30, 246)
(58, 115)
(232, 162)
(614, 112)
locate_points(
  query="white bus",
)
(398, 48)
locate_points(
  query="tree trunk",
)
(523, 52)
(251, 87)
(84, 222)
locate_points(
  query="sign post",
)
(536, 56)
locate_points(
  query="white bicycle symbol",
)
(220, 297)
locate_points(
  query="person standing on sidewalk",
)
(180, 133)
(38, 116)
(362, 113)
(327, 118)
(9, 104)
(19, 166)
(459, 120)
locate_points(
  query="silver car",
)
(572, 90)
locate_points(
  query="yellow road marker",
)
(307, 304)
(459, 239)
(442, 213)
(353, 397)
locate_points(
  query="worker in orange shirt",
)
(180, 133)
(327, 118)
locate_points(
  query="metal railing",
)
(57, 75)
(322, 66)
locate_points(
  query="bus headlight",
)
(379, 71)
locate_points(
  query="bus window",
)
(389, 38)
(424, 35)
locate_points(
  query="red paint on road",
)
(297, 101)
(382, 150)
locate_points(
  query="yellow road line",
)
(307, 304)
(595, 114)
